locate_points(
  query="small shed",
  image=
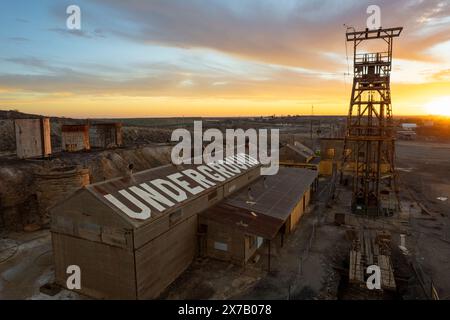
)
(133, 236)
(234, 229)
(406, 134)
(295, 154)
(75, 138)
(106, 135)
(33, 138)
(409, 126)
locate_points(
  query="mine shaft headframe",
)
(369, 125)
(367, 34)
(381, 60)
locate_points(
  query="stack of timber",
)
(387, 274)
(371, 248)
(356, 271)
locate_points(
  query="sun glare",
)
(439, 107)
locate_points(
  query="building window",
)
(331, 152)
(221, 246)
(259, 241)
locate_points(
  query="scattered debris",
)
(404, 250)
(50, 289)
(32, 227)
(339, 219)
(371, 247)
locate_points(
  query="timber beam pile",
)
(371, 248)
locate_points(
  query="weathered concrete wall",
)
(7, 141)
(106, 136)
(73, 141)
(18, 205)
(32, 138)
(232, 242)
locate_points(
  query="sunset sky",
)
(145, 58)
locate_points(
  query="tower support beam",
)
(370, 129)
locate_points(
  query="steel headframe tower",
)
(369, 146)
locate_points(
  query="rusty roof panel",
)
(75, 128)
(301, 150)
(245, 220)
(114, 186)
(275, 196)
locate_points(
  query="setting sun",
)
(440, 106)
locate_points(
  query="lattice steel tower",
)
(369, 146)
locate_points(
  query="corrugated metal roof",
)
(112, 186)
(304, 148)
(115, 186)
(301, 150)
(74, 128)
(247, 221)
(275, 196)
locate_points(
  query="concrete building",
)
(407, 131)
(409, 126)
(134, 236)
(406, 135)
(106, 135)
(75, 138)
(33, 138)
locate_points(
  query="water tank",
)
(56, 184)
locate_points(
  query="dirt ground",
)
(424, 174)
(305, 267)
(26, 264)
(300, 269)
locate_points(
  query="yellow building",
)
(332, 152)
